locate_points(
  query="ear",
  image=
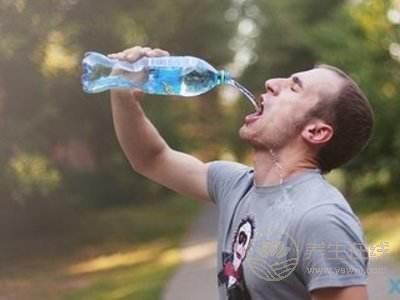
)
(317, 132)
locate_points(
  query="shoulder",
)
(330, 222)
(318, 199)
(227, 170)
(327, 212)
(323, 207)
(225, 178)
(225, 164)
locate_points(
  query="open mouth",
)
(261, 109)
(255, 115)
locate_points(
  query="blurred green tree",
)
(44, 113)
(363, 39)
(46, 120)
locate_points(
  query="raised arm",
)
(146, 150)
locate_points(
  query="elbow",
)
(146, 164)
(137, 166)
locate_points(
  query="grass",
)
(380, 218)
(120, 253)
(142, 281)
(383, 230)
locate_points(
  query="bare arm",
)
(146, 150)
(346, 293)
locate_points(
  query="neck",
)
(271, 167)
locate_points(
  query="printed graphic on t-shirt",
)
(232, 274)
(274, 258)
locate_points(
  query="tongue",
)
(252, 117)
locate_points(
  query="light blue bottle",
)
(168, 75)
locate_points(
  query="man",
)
(283, 231)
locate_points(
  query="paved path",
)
(195, 279)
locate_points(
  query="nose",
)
(275, 85)
(272, 85)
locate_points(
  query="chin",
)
(246, 135)
(260, 142)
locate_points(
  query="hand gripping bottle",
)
(167, 75)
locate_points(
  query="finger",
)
(118, 55)
(146, 49)
(164, 52)
(133, 54)
(133, 49)
(157, 52)
(115, 55)
(130, 54)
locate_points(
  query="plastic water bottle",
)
(167, 75)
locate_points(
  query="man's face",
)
(286, 102)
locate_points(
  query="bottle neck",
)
(224, 77)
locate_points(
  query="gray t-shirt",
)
(284, 241)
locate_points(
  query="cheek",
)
(285, 115)
(276, 119)
(279, 125)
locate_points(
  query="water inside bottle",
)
(249, 95)
(164, 76)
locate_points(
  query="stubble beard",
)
(273, 139)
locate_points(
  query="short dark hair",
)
(351, 116)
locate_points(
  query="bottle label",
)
(171, 61)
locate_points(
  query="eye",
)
(297, 84)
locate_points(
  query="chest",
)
(256, 245)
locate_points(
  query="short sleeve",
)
(223, 177)
(331, 246)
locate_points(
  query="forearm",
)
(137, 136)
